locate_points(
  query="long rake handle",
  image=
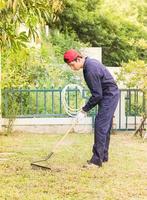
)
(57, 144)
(65, 135)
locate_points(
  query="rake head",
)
(35, 164)
(37, 167)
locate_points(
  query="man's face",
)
(76, 64)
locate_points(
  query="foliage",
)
(22, 68)
(32, 13)
(133, 74)
(119, 27)
(96, 22)
(52, 50)
(62, 42)
(33, 67)
(105, 26)
(10, 110)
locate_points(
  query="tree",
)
(133, 74)
(31, 13)
(14, 13)
(110, 24)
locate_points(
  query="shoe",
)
(99, 164)
(91, 166)
(105, 160)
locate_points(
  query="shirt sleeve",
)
(94, 84)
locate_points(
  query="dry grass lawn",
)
(124, 177)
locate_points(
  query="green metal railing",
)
(25, 103)
(135, 103)
(38, 102)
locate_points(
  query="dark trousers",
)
(103, 125)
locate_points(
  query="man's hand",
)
(80, 116)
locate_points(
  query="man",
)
(104, 93)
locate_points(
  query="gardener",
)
(104, 93)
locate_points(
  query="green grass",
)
(124, 177)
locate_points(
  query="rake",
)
(37, 165)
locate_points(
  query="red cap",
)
(70, 55)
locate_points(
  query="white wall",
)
(61, 125)
(49, 125)
(92, 52)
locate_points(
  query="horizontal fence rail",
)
(28, 103)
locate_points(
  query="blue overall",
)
(105, 93)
